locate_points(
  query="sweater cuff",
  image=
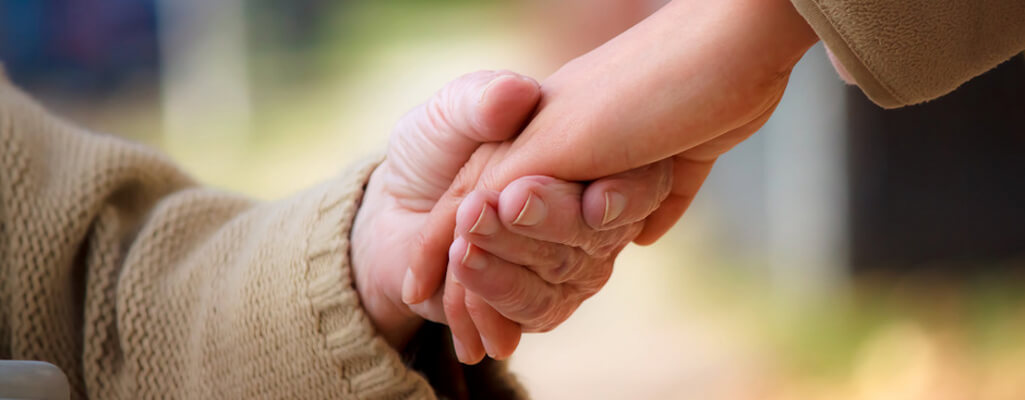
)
(873, 87)
(369, 366)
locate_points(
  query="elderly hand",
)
(524, 259)
(686, 84)
(427, 149)
(430, 149)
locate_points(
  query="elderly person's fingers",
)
(501, 107)
(484, 106)
(628, 197)
(688, 176)
(432, 309)
(549, 209)
(547, 261)
(477, 221)
(475, 322)
(428, 149)
(499, 334)
(519, 294)
(465, 337)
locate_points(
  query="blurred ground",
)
(687, 318)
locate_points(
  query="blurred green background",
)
(752, 296)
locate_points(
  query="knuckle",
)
(564, 266)
(549, 254)
(560, 273)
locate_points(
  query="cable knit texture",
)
(138, 283)
(902, 52)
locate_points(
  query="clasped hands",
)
(502, 204)
(518, 260)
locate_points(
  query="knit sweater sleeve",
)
(140, 284)
(902, 52)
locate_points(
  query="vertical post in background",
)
(205, 80)
(806, 182)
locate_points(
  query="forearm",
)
(690, 72)
(136, 282)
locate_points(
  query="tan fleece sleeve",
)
(139, 284)
(903, 52)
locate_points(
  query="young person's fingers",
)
(688, 176)
(689, 172)
(431, 143)
(499, 335)
(629, 197)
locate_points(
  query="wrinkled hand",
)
(524, 259)
(427, 149)
(686, 85)
(429, 154)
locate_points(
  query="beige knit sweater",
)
(903, 52)
(138, 283)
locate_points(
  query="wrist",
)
(787, 30)
(769, 32)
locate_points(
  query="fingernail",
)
(484, 93)
(615, 203)
(475, 261)
(532, 213)
(409, 288)
(460, 350)
(487, 223)
(527, 79)
(487, 347)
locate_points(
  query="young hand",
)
(687, 84)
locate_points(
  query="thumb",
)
(432, 142)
